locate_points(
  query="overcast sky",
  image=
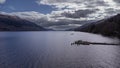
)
(60, 13)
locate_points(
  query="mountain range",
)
(106, 27)
(14, 23)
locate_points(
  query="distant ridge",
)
(107, 27)
(14, 23)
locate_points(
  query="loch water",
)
(53, 49)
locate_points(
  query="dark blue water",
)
(54, 50)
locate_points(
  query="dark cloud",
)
(95, 3)
(91, 4)
(110, 11)
(46, 20)
(117, 1)
(61, 23)
(78, 14)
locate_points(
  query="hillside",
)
(107, 27)
(14, 23)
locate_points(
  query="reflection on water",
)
(54, 50)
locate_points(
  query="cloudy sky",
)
(60, 14)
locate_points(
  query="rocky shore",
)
(80, 42)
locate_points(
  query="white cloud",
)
(53, 20)
(30, 15)
(2, 1)
(75, 3)
(70, 6)
(70, 12)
